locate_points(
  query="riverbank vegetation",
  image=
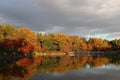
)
(24, 41)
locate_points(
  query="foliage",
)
(98, 44)
(17, 40)
(26, 34)
(25, 41)
(47, 63)
(47, 44)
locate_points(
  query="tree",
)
(18, 45)
(40, 37)
(78, 44)
(8, 30)
(1, 32)
(27, 35)
(18, 40)
(115, 44)
(59, 40)
(47, 44)
(98, 44)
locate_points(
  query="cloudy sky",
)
(97, 18)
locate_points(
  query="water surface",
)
(60, 68)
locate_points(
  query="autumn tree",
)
(78, 44)
(8, 30)
(60, 40)
(98, 44)
(1, 32)
(17, 40)
(26, 34)
(40, 37)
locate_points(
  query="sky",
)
(88, 18)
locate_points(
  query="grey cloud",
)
(77, 17)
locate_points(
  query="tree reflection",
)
(63, 64)
(24, 68)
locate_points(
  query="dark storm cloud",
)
(77, 17)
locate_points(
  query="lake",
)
(61, 68)
(108, 72)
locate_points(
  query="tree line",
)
(24, 41)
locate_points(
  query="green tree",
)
(47, 44)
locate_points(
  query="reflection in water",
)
(82, 74)
(60, 68)
(22, 69)
(63, 64)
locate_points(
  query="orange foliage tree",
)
(98, 44)
(30, 39)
